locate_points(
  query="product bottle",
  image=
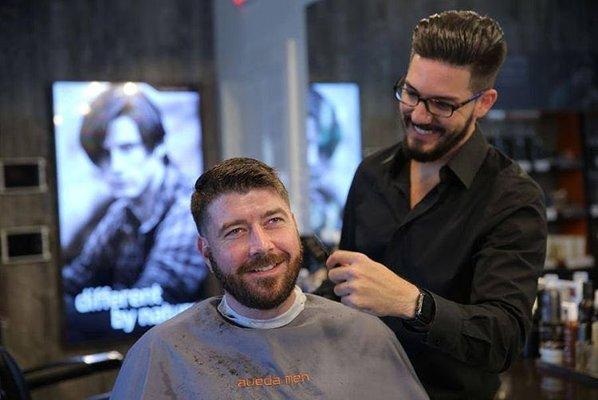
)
(551, 327)
(584, 337)
(592, 364)
(570, 334)
(586, 311)
(532, 344)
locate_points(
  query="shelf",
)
(544, 166)
(581, 376)
(566, 214)
(566, 271)
(559, 150)
(513, 115)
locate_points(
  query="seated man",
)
(264, 338)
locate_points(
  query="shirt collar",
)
(464, 164)
(468, 160)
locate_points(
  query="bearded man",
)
(264, 338)
(444, 236)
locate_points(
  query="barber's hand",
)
(369, 286)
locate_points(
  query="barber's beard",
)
(447, 141)
(270, 291)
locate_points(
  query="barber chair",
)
(16, 384)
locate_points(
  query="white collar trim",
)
(276, 322)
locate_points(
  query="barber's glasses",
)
(439, 108)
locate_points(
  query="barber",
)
(443, 236)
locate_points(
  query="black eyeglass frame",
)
(399, 86)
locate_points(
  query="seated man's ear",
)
(204, 249)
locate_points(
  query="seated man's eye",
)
(233, 233)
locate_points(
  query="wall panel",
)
(552, 61)
(142, 40)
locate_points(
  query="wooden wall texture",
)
(43, 41)
(368, 42)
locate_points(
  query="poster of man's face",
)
(333, 153)
(127, 155)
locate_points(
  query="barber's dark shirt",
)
(476, 242)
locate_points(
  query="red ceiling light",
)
(239, 3)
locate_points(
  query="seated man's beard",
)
(270, 293)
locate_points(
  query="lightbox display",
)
(127, 155)
(333, 153)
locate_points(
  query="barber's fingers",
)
(343, 273)
(349, 300)
(343, 289)
(344, 257)
(355, 301)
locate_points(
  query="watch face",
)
(427, 310)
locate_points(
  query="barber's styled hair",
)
(238, 175)
(112, 104)
(462, 38)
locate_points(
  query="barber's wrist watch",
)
(424, 310)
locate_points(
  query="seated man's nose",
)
(260, 242)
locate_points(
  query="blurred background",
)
(305, 86)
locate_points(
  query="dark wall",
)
(43, 41)
(552, 61)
